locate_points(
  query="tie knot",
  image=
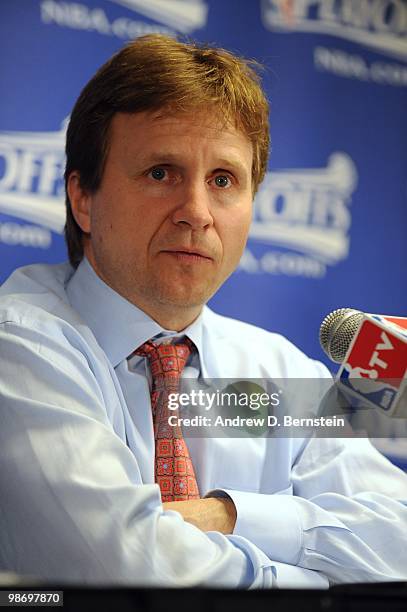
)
(167, 360)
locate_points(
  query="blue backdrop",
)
(330, 219)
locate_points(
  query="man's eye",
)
(222, 180)
(158, 174)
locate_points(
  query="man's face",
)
(170, 219)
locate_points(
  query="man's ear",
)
(80, 202)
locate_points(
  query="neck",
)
(171, 317)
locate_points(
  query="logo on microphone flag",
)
(374, 370)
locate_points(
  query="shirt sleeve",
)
(73, 506)
(344, 516)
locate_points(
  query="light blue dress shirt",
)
(78, 500)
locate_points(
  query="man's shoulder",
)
(38, 323)
(235, 330)
(35, 280)
(272, 351)
(34, 297)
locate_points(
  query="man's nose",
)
(194, 205)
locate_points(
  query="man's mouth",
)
(188, 255)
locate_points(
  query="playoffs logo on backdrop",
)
(306, 212)
(303, 212)
(378, 24)
(31, 177)
(375, 25)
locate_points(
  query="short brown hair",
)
(151, 73)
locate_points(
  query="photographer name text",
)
(269, 421)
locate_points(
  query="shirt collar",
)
(119, 326)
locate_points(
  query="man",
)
(166, 147)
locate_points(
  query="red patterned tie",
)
(174, 472)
